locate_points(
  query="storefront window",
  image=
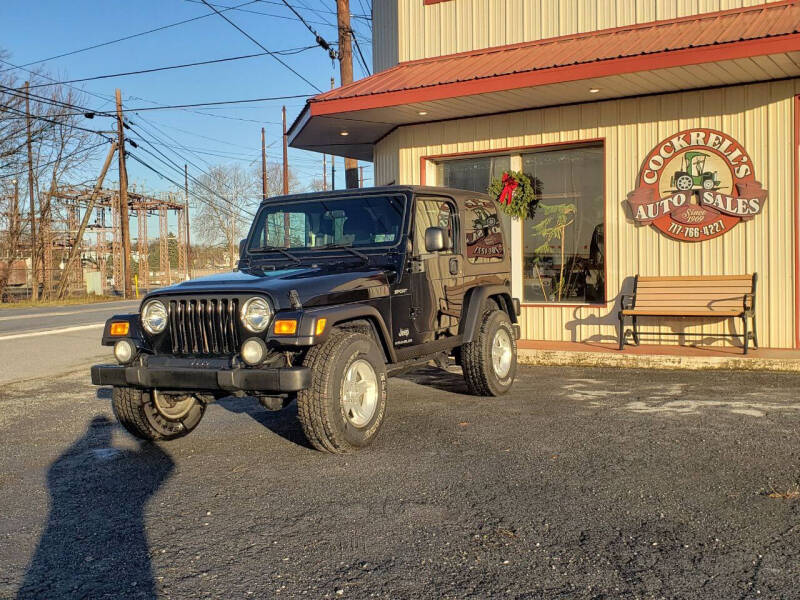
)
(473, 174)
(564, 257)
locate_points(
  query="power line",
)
(260, 45)
(176, 184)
(53, 121)
(84, 110)
(361, 54)
(181, 66)
(321, 11)
(129, 37)
(321, 42)
(60, 159)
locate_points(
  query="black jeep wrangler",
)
(334, 292)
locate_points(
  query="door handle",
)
(454, 266)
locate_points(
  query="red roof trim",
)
(605, 68)
(591, 34)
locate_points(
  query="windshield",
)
(360, 222)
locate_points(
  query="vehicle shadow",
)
(450, 380)
(280, 422)
(94, 544)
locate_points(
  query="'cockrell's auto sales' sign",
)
(697, 185)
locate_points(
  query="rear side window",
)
(433, 212)
(484, 234)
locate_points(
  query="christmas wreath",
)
(515, 193)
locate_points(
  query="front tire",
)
(137, 411)
(490, 360)
(345, 405)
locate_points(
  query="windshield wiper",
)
(347, 247)
(284, 251)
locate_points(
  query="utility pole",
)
(188, 237)
(123, 200)
(325, 172)
(286, 221)
(285, 156)
(34, 257)
(76, 245)
(333, 156)
(361, 176)
(15, 226)
(264, 188)
(346, 74)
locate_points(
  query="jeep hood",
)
(318, 285)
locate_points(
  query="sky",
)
(34, 30)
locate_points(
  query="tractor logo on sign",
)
(697, 185)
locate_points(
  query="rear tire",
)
(345, 405)
(137, 413)
(490, 360)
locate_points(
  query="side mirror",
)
(242, 244)
(435, 239)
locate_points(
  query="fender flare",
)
(342, 314)
(474, 301)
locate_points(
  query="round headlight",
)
(154, 317)
(256, 314)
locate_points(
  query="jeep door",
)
(435, 276)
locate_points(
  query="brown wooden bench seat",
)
(712, 297)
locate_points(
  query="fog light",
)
(254, 351)
(124, 351)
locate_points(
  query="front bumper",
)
(269, 380)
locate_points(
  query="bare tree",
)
(60, 152)
(222, 198)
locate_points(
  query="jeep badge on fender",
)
(323, 281)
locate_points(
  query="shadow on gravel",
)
(437, 378)
(281, 422)
(94, 544)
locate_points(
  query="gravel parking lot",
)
(584, 483)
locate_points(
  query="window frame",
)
(456, 241)
(515, 153)
(382, 248)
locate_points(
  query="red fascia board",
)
(593, 70)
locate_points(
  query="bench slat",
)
(719, 278)
(678, 296)
(672, 312)
(697, 285)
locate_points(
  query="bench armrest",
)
(627, 302)
(749, 301)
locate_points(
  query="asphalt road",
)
(53, 339)
(584, 483)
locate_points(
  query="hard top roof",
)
(456, 194)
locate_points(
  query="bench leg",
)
(755, 333)
(635, 330)
(621, 331)
(746, 334)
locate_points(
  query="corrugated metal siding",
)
(462, 25)
(384, 45)
(758, 116)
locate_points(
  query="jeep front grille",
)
(204, 326)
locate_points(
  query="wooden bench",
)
(698, 297)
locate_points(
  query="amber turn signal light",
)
(320, 326)
(285, 327)
(120, 328)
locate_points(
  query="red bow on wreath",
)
(509, 185)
